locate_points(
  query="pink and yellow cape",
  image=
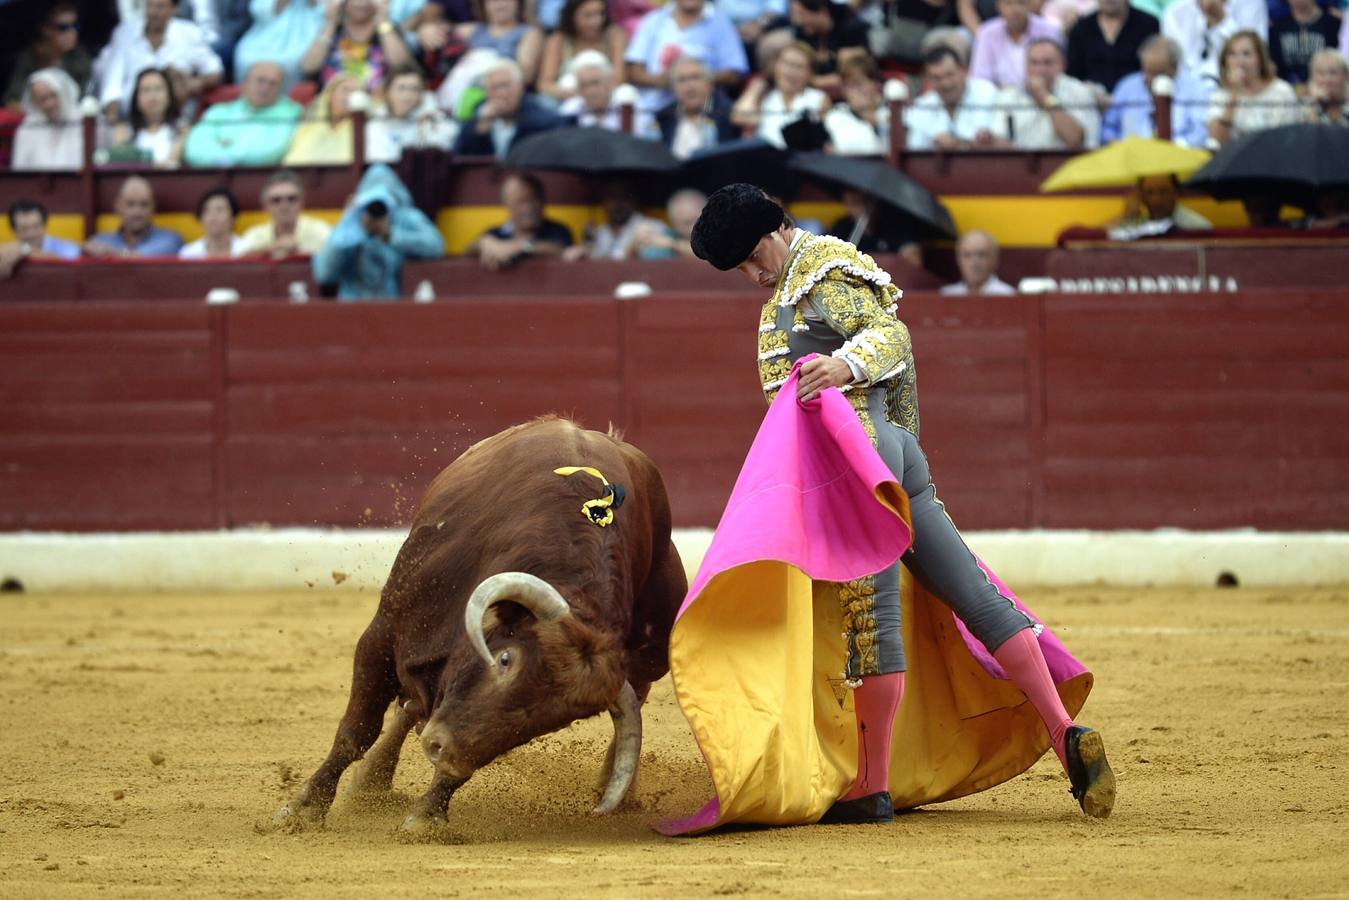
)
(757, 656)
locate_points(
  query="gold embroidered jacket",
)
(856, 299)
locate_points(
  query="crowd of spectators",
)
(225, 82)
(270, 83)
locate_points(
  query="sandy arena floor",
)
(145, 736)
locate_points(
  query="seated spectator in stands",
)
(1156, 200)
(1053, 111)
(958, 39)
(286, 232)
(281, 33)
(526, 232)
(661, 241)
(1327, 101)
(231, 21)
(1251, 97)
(377, 233)
(882, 229)
(899, 30)
(593, 105)
(752, 18)
(699, 117)
(11, 256)
(1000, 45)
(502, 27)
(152, 133)
(505, 116)
(28, 220)
(1201, 28)
(1131, 105)
(324, 135)
(407, 117)
(584, 25)
(1262, 209)
(136, 234)
(977, 259)
(57, 46)
(765, 108)
(1332, 210)
(1104, 46)
(357, 39)
(956, 113)
(159, 41)
(677, 29)
(859, 125)
(200, 12)
(216, 211)
(1066, 13)
(50, 136)
(835, 34)
(615, 239)
(973, 13)
(435, 44)
(253, 130)
(1299, 35)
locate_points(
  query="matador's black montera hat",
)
(731, 224)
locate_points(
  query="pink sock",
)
(876, 700)
(1021, 658)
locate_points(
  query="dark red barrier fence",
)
(1201, 411)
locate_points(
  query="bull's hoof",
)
(297, 816)
(427, 828)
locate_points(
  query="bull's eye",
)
(504, 660)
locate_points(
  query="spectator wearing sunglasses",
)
(57, 45)
(286, 232)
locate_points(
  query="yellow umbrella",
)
(1122, 163)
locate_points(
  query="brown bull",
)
(511, 612)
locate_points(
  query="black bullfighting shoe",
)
(1093, 784)
(873, 808)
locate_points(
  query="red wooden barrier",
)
(1097, 412)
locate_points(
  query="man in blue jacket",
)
(506, 116)
(380, 229)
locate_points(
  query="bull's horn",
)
(627, 716)
(533, 593)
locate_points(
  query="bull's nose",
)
(434, 740)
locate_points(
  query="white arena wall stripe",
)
(314, 559)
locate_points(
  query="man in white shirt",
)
(1201, 27)
(977, 257)
(1053, 111)
(957, 113)
(593, 104)
(159, 41)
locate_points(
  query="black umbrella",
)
(1291, 163)
(594, 151)
(876, 179)
(751, 160)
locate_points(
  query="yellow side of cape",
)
(759, 658)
